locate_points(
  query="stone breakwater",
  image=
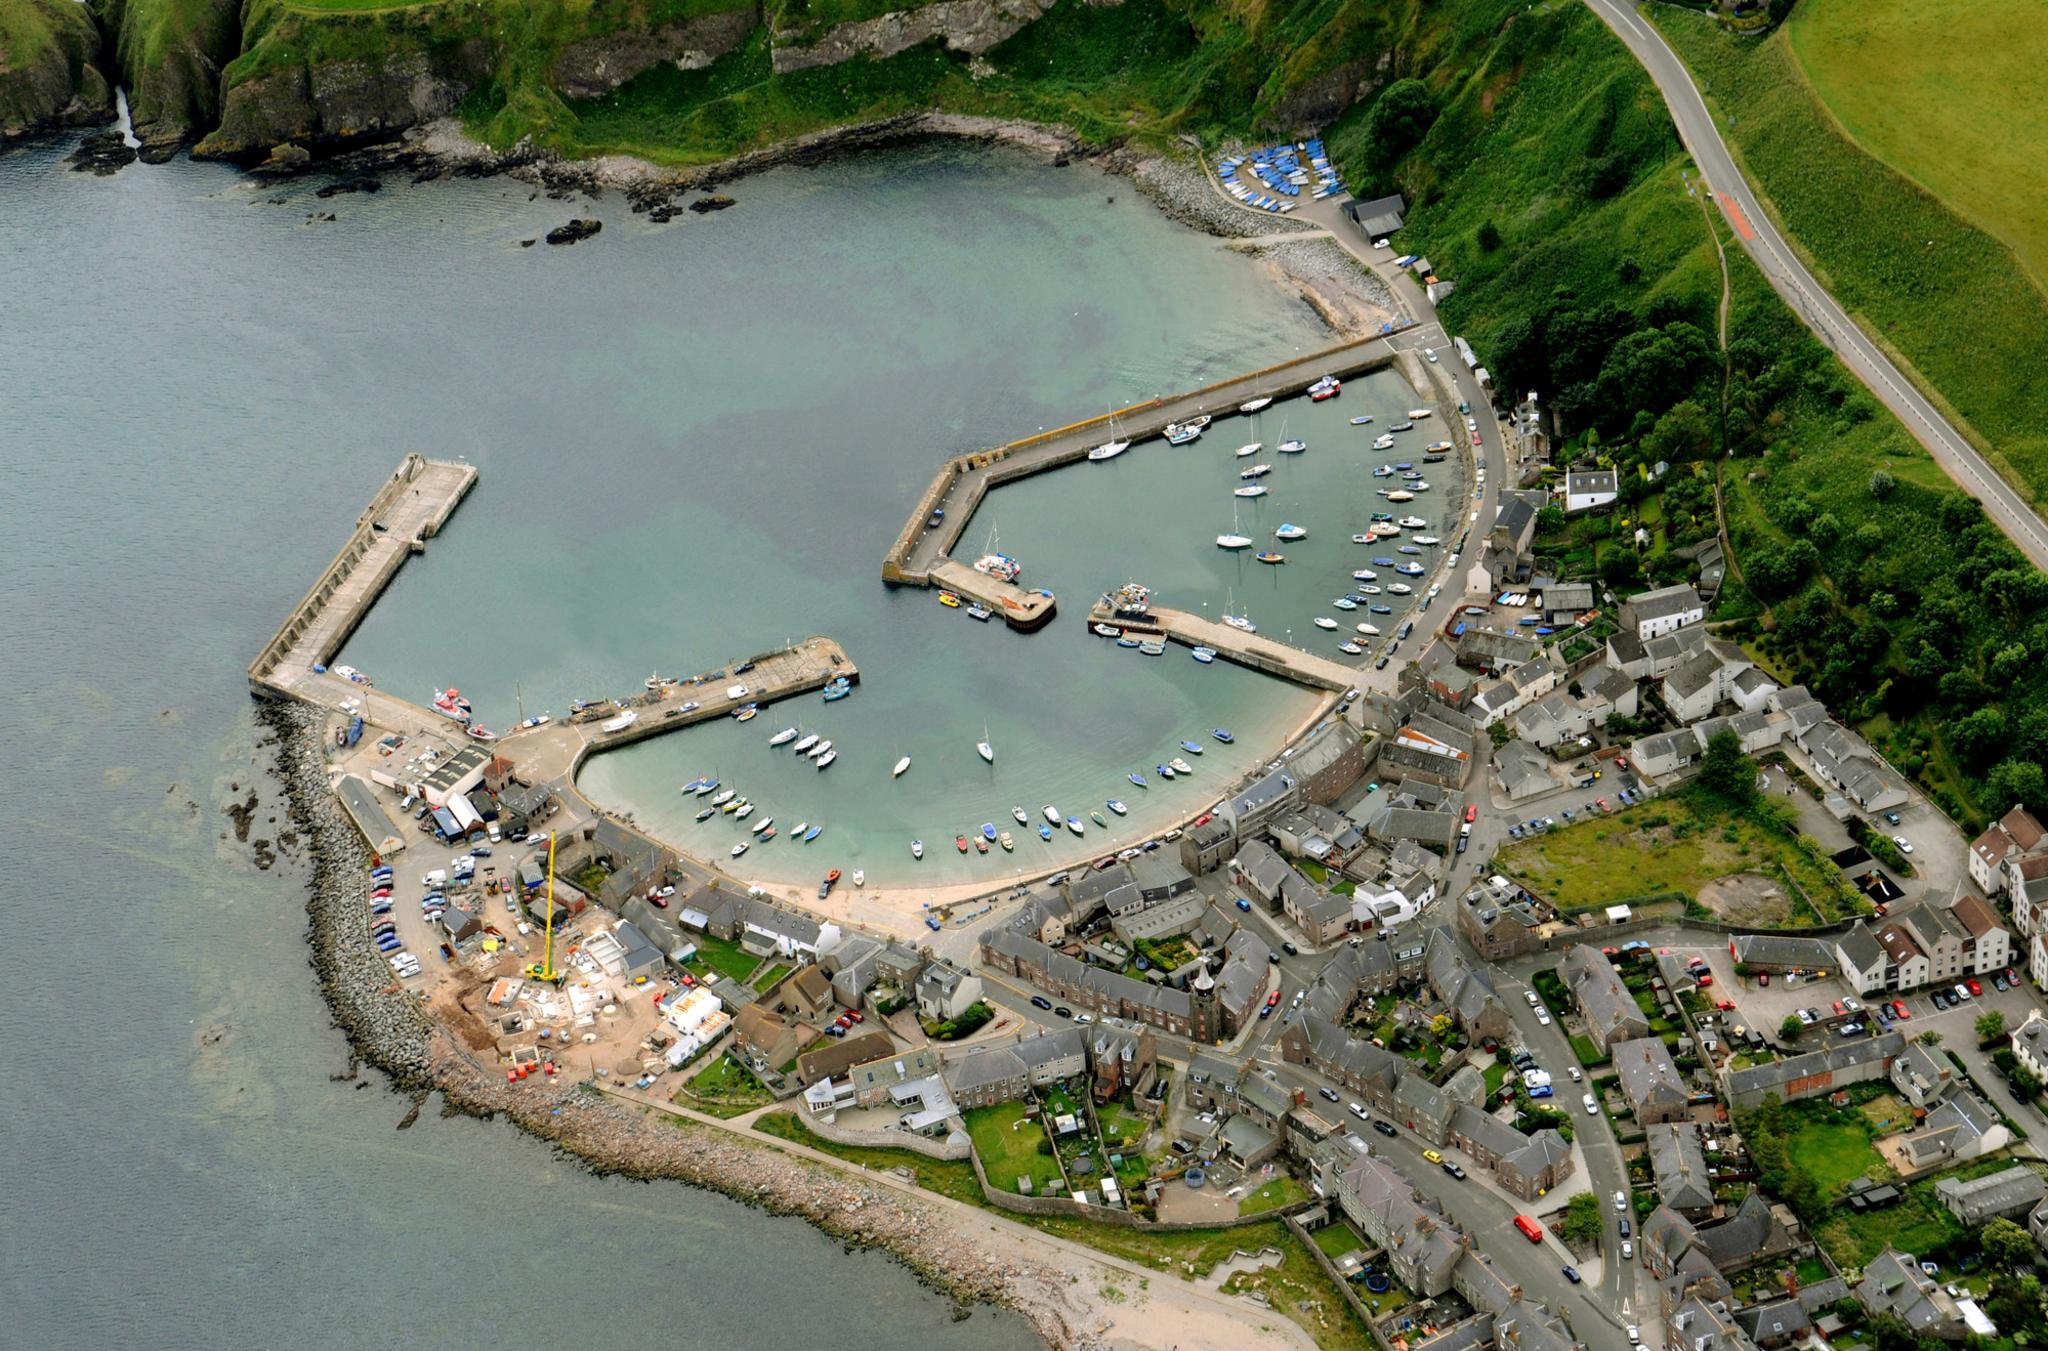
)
(1179, 186)
(389, 1031)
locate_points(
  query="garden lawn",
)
(723, 958)
(1283, 1190)
(724, 1089)
(1831, 1152)
(1338, 1239)
(770, 976)
(1007, 1143)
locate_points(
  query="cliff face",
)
(170, 54)
(971, 26)
(341, 100)
(48, 78)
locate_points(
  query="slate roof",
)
(1679, 1166)
(1777, 1073)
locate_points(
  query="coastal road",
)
(1819, 310)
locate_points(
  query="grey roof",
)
(1694, 674)
(984, 1066)
(1605, 1001)
(1648, 1073)
(2002, 1193)
(1777, 1073)
(1894, 1283)
(1568, 596)
(1518, 763)
(1786, 950)
(1588, 481)
(1679, 1166)
(1779, 1318)
(1265, 871)
(1664, 602)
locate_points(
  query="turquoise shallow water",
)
(695, 440)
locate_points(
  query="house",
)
(875, 1081)
(1124, 1060)
(1650, 1080)
(1705, 1320)
(1379, 217)
(1697, 685)
(805, 995)
(1006, 1072)
(1507, 542)
(1322, 916)
(1674, 1246)
(1463, 986)
(1521, 686)
(1566, 600)
(1665, 755)
(831, 1059)
(1894, 1283)
(1608, 691)
(2006, 1194)
(1418, 750)
(1775, 1323)
(1845, 761)
(1524, 771)
(945, 991)
(1312, 831)
(1680, 1168)
(1963, 1127)
(1610, 1011)
(1751, 689)
(1585, 489)
(1552, 721)
(1262, 873)
(2014, 835)
(852, 966)
(1922, 1077)
(1526, 1166)
(1421, 1245)
(1667, 652)
(1500, 920)
(2030, 1044)
(1651, 614)
(1988, 948)
(1814, 1074)
(766, 1036)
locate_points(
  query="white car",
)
(1628, 1248)
(1543, 1018)
(1635, 1335)
(1530, 995)
(1574, 1072)
(1592, 1105)
(1905, 845)
(1083, 1019)
(1620, 1198)
(1430, 354)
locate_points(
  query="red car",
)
(1976, 990)
(1471, 812)
(842, 1021)
(2012, 977)
(1899, 1009)
(856, 1015)
(1273, 999)
(1725, 1005)
(1705, 981)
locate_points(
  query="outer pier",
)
(1246, 649)
(921, 550)
(410, 509)
(1021, 607)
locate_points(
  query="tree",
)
(1930, 1038)
(1726, 771)
(1790, 1029)
(1683, 433)
(1990, 1026)
(1583, 1222)
(1881, 484)
(2014, 780)
(1489, 236)
(1399, 120)
(2009, 1247)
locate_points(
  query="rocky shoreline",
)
(388, 1031)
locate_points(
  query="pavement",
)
(1809, 300)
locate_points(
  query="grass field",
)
(722, 958)
(1008, 1146)
(1947, 93)
(1949, 298)
(1831, 1151)
(1283, 1190)
(1675, 843)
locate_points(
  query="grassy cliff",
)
(48, 75)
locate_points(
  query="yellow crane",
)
(544, 969)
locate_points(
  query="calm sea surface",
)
(696, 440)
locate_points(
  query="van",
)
(437, 878)
(736, 692)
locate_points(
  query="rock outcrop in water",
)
(49, 78)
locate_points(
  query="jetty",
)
(921, 554)
(407, 511)
(1246, 649)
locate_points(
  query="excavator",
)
(544, 969)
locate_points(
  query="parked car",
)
(1289, 948)
(1039, 1001)
(1328, 1094)
(1905, 845)
(1592, 1105)
(1900, 1011)
(1891, 818)
(1575, 1074)
(1572, 1274)
(1384, 1128)
(1471, 812)
(1244, 905)
(1063, 1012)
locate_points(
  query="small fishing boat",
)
(1329, 387)
(825, 887)
(960, 843)
(827, 758)
(1421, 412)
(1418, 487)
(1361, 421)
(1099, 819)
(1400, 589)
(1400, 495)
(804, 746)
(1074, 824)
(1052, 813)
(819, 751)
(707, 813)
(723, 798)
(1181, 766)
(838, 689)
(798, 829)
(1365, 575)
(476, 731)
(743, 811)
(901, 765)
(813, 833)
(1250, 406)
(1290, 532)
(1222, 734)
(1192, 747)
(1413, 523)
(1045, 832)
(1249, 448)
(1018, 812)
(1408, 549)
(1269, 556)
(1005, 840)
(1127, 641)
(739, 849)
(1401, 427)
(1152, 649)
(1105, 630)
(1384, 562)
(768, 834)
(980, 845)
(1255, 490)
(767, 823)
(1385, 470)
(1428, 539)
(1256, 471)
(916, 849)
(1204, 655)
(1383, 609)
(1369, 630)
(860, 877)
(784, 737)
(747, 713)
(1138, 779)
(1325, 622)
(1118, 807)
(1384, 441)
(980, 613)
(1293, 446)
(1344, 603)
(1410, 569)
(1163, 771)
(988, 831)
(1180, 433)
(1368, 589)
(1349, 648)
(949, 600)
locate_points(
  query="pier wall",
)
(336, 603)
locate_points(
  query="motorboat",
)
(1105, 630)
(1410, 569)
(813, 833)
(796, 831)
(1368, 589)
(707, 813)
(1128, 641)
(1408, 549)
(1400, 589)
(1022, 819)
(838, 688)
(1204, 655)
(1413, 523)
(739, 849)
(960, 843)
(949, 600)
(1250, 406)
(1369, 630)
(901, 765)
(1255, 490)
(1248, 449)
(1181, 766)
(860, 877)
(1117, 806)
(1385, 530)
(1383, 609)
(1427, 539)
(1256, 471)
(1361, 420)
(916, 851)
(1365, 575)
(1329, 387)
(1349, 648)
(747, 713)
(1344, 603)
(1163, 771)
(1074, 824)
(723, 798)
(1181, 433)
(476, 731)
(1045, 832)
(980, 613)
(1233, 541)
(1269, 556)
(1293, 446)
(1401, 427)
(1152, 648)
(784, 737)
(1138, 779)
(1367, 538)
(1418, 487)
(1006, 842)
(1290, 532)
(1192, 747)
(767, 823)
(768, 834)
(821, 750)
(1052, 813)
(743, 811)
(1200, 422)
(980, 845)
(1222, 734)
(1385, 470)
(827, 758)
(1325, 622)
(988, 831)
(1099, 819)
(1436, 448)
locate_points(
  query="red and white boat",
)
(1326, 388)
(482, 733)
